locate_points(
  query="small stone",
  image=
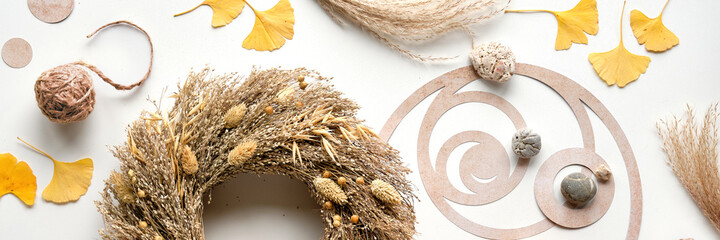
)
(493, 61)
(526, 143)
(603, 173)
(578, 189)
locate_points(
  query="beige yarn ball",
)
(493, 61)
(65, 93)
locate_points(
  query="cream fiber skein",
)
(66, 94)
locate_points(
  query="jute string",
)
(66, 94)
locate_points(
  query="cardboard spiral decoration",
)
(273, 122)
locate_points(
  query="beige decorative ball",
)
(493, 61)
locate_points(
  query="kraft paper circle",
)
(17, 53)
(51, 11)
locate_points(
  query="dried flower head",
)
(141, 193)
(360, 180)
(330, 190)
(235, 115)
(188, 161)
(342, 181)
(143, 225)
(385, 192)
(355, 219)
(121, 188)
(242, 152)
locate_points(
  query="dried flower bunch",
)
(273, 122)
(692, 151)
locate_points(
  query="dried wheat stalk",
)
(692, 150)
(413, 20)
(220, 126)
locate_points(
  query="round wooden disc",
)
(51, 11)
(17, 53)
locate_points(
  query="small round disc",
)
(51, 11)
(17, 53)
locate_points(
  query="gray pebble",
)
(578, 189)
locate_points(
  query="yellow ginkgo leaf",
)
(271, 28)
(619, 65)
(69, 181)
(652, 32)
(224, 11)
(17, 178)
(572, 23)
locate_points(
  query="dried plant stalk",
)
(413, 20)
(692, 151)
(297, 140)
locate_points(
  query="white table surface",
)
(379, 79)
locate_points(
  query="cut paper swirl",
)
(489, 159)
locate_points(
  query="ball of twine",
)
(66, 94)
(493, 61)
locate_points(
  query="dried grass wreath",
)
(274, 122)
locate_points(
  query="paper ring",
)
(564, 214)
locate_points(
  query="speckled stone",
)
(578, 189)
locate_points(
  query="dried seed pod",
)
(142, 224)
(141, 193)
(330, 190)
(188, 160)
(341, 181)
(158, 237)
(603, 173)
(337, 218)
(235, 115)
(385, 192)
(242, 152)
(286, 95)
(336, 223)
(122, 191)
(326, 174)
(298, 104)
(360, 180)
(355, 219)
(303, 85)
(269, 110)
(301, 78)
